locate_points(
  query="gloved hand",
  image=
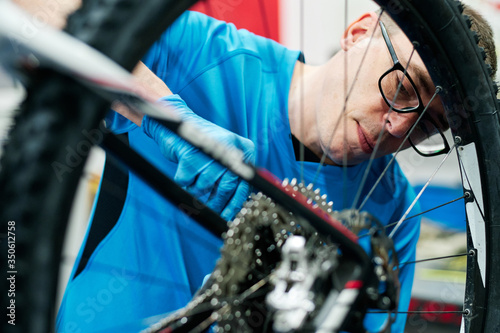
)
(210, 182)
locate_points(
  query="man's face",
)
(366, 114)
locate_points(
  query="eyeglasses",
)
(401, 94)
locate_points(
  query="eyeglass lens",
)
(406, 99)
(426, 138)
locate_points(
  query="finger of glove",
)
(246, 146)
(236, 202)
(171, 145)
(202, 181)
(223, 191)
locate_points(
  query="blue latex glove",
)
(210, 182)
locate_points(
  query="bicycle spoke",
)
(419, 214)
(470, 186)
(433, 259)
(344, 118)
(420, 193)
(421, 312)
(431, 209)
(302, 92)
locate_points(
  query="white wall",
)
(323, 22)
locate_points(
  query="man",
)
(267, 99)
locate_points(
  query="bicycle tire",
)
(38, 202)
(38, 178)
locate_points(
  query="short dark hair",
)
(485, 36)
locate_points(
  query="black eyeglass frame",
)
(420, 107)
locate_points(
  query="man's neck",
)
(302, 99)
(300, 109)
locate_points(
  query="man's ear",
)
(358, 30)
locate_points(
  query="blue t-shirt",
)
(155, 257)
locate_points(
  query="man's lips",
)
(364, 141)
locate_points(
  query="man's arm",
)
(150, 87)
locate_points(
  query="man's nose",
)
(398, 124)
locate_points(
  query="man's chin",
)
(348, 161)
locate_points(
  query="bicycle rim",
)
(34, 197)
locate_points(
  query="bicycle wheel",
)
(35, 198)
(473, 135)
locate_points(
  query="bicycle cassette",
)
(275, 273)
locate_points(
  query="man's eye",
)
(400, 83)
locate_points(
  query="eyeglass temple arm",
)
(394, 57)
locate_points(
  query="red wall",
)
(259, 16)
